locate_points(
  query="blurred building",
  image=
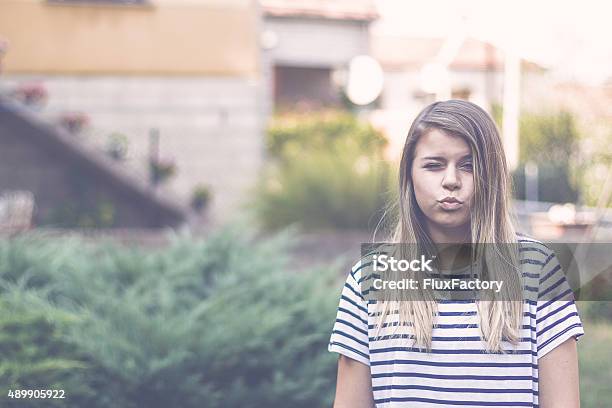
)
(307, 43)
(180, 79)
(49, 178)
(475, 73)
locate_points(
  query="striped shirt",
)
(458, 371)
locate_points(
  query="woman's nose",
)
(451, 179)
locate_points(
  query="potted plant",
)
(74, 122)
(117, 146)
(200, 198)
(3, 50)
(161, 169)
(32, 94)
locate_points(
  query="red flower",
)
(31, 93)
(74, 122)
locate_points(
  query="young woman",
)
(454, 187)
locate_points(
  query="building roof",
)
(360, 10)
(592, 103)
(407, 53)
(70, 149)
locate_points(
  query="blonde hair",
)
(491, 223)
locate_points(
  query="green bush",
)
(326, 170)
(596, 310)
(215, 323)
(549, 138)
(35, 354)
(552, 141)
(291, 134)
(595, 373)
(554, 184)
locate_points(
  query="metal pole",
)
(531, 185)
(602, 206)
(153, 155)
(510, 122)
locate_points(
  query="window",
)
(304, 86)
(120, 2)
(461, 93)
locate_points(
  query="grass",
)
(595, 350)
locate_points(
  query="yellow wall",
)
(167, 37)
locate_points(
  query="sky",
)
(573, 39)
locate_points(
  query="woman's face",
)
(442, 170)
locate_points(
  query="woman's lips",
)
(450, 205)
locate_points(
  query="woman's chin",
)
(451, 222)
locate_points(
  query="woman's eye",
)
(467, 166)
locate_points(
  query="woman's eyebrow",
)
(467, 156)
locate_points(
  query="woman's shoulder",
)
(533, 247)
(369, 252)
(540, 265)
(357, 270)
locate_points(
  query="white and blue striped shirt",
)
(458, 371)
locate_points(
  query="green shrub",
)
(552, 141)
(595, 373)
(554, 184)
(326, 170)
(35, 354)
(215, 323)
(596, 310)
(549, 138)
(291, 134)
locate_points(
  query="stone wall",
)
(211, 126)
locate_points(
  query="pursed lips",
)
(450, 200)
(450, 204)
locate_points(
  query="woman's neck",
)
(458, 235)
(451, 254)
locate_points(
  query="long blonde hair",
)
(491, 223)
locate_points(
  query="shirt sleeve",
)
(350, 332)
(557, 317)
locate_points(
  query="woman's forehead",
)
(437, 143)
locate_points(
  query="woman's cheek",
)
(423, 186)
(427, 180)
